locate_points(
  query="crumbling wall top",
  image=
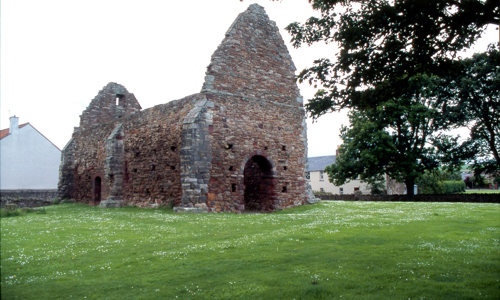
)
(111, 104)
(253, 61)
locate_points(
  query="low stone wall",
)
(27, 198)
(479, 198)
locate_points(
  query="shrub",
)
(13, 211)
(451, 186)
(6, 212)
(322, 193)
(440, 182)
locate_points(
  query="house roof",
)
(5, 132)
(319, 163)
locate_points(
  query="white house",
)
(319, 179)
(28, 160)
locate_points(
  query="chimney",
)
(14, 125)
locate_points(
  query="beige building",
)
(319, 179)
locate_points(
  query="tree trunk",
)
(409, 187)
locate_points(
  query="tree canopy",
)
(478, 93)
(383, 44)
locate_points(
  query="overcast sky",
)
(57, 54)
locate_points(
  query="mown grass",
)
(351, 250)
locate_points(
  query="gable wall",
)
(244, 128)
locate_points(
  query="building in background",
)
(28, 160)
(319, 179)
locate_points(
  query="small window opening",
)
(265, 148)
(172, 167)
(284, 189)
(134, 170)
(137, 154)
(228, 146)
(283, 147)
(118, 99)
(341, 191)
(231, 168)
(321, 189)
(356, 189)
(233, 187)
(285, 168)
(153, 167)
(173, 148)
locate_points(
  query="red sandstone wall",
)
(151, 165)
(90, 153)
(104, 107)
(243, 128)
(152, 154)
(252, 61)
(258, 111)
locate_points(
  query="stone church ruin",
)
(238, 145)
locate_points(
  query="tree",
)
(399, 137)
(395, 68)
(384, 44)
(478, 91)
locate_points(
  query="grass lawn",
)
(348, 250)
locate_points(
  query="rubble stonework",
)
(240, 144)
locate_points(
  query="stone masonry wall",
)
(66, 182)
(244, 128)
(27, 198)
(89, 159)
(152, 154)
(253, 62)
(112, 103)
(196, 156)
(148, 171)
(258, 111)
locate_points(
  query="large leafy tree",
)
(396, 68)
(399, 137)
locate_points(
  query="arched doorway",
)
(259, 184)
(97, 190)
